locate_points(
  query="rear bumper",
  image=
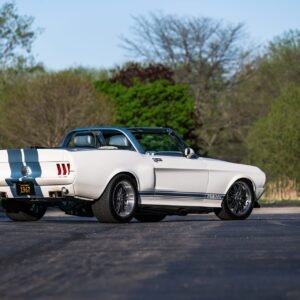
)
(40, 192)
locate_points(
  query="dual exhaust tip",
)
(59, 194)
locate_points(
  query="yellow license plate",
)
(25, 188)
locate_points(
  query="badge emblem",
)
(26, 171)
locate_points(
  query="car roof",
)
(132, 129)
(128, 131)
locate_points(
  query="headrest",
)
(118, 140)
(84, 140)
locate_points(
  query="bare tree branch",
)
(204, 53)
(41, 110)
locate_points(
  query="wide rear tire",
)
(118, 202)
(25, 212)
(238, 203)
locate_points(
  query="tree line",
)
(227, 97)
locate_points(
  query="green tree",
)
(204, 53)
(274, 141)
(157, 103)
(272, 72)
(16, 39)
(260, 84)
(16, 35)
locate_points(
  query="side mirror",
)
(189, 152)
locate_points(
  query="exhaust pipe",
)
(64, 191)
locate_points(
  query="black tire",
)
(25, 211)
(238, 203)
(144, 217)
(118, 202)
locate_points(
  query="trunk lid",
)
(45, 166)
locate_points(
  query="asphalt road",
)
(193, 257)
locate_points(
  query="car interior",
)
(100, 140)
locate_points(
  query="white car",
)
(116, 174)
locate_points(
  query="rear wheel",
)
(118, 203)
(25, 211)
(144, 217)
(238, 202)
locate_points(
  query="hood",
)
(221, 165)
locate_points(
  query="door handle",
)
(157, 159)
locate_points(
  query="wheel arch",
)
(245, 179)
(133, 176)
(114, 175)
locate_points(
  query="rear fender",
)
(118, 172)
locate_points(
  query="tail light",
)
(58, 169)
(63, 169)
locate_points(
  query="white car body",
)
(162, 180)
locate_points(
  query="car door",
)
(180, 175)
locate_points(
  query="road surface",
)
(193, 257)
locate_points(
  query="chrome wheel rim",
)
(239, 198)
(123, 198)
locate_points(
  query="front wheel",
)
(118, 202)
(238, 202)
(25, 211)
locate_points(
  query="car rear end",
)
(38, 174)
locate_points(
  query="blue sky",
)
(88, 32)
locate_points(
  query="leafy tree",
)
(16, 38)
(157, 103)
(276, 69)
(274, 141)
(204, 53)
(40, 110)
(253, 98)
(132, 72)
(16, 35)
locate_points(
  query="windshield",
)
(162, 143)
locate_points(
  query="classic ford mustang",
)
(116, 174)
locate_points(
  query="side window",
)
(161, 143)
(116, 139)
(158, 142)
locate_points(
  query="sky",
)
(87, 33)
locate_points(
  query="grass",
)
(272, 202)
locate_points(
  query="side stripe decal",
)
(175, 194)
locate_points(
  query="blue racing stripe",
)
(31, 157)
(15, 165)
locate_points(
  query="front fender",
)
(239, 177)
